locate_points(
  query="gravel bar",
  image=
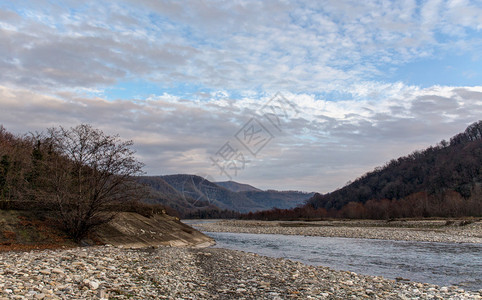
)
(424, 231)
(107, 272)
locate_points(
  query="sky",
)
(288, 95)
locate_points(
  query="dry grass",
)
(24, 231)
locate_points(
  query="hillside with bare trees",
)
(79, 176)
(441, 181)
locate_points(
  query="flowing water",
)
(443, 264)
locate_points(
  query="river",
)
(443, 264)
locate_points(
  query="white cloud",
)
(300, 47)
(215, 63)
(327, 144)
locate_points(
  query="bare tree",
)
(87, 174)
(14, 169)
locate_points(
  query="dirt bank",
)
(27, 230)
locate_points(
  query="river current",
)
(443, 264)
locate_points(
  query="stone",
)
(57, 271)
(94, 284)
(178, 273)
(102, 294)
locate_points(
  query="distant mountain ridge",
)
(192, 195)
(237, 187)
(206, 191)
(161, 192)
(278, 199)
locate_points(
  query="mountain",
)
(207, 192)
(194, 196)
(161, 192)
(441, 180)
(237, 187)
(278, 199)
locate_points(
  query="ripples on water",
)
(443, 264)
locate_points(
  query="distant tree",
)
(85, 173)
(353, 210)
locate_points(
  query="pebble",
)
(94, 284)
(57, 271)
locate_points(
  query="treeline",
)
(419, 205)
(80, 176)
(210, 213)
(306, 212)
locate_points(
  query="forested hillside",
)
(182, 203)
(450, 173)
(196, 197)
(160, 192)
(205, 191)
(444, 180)
(278, 199)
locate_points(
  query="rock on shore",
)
(188, 273)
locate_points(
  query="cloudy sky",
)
(302, 95)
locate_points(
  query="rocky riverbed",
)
(428, 231)
(187, 273)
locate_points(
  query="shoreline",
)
(192, 273)
(414, 230)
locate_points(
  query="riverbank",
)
(29, 230)
(456, 231)
(188, 273)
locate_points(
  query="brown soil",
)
(26, 230)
